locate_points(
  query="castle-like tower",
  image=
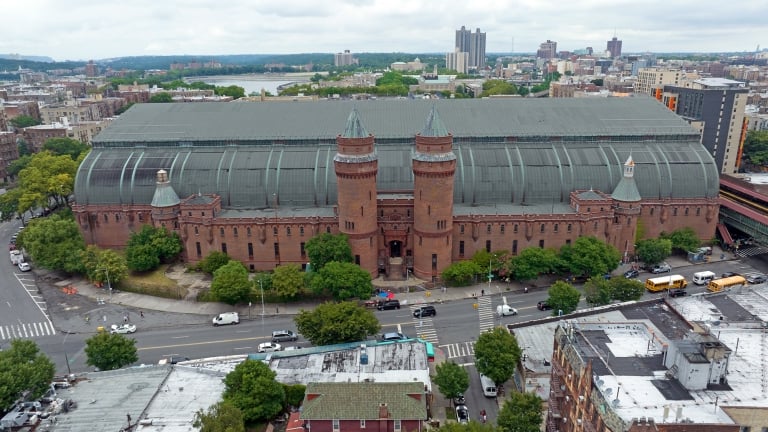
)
(626, 213)
(434, 165)
(165, 203)
(356, 166)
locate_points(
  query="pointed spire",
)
(434, 126)
(629, 167)
(354, 127)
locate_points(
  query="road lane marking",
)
(180, 337)
(202, 343)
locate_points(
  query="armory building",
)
(415, 185)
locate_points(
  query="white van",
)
(489, 387)
(505, 310)
(703, 278)
(226, 318)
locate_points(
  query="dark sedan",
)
(632, 273)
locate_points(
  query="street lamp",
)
(109, 284)
(261, 286)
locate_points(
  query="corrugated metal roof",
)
(508, 151)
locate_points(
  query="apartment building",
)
(458, 61)
(344, 59)
(652, 80)
(473, 44)
(9, 152)
(547, 50)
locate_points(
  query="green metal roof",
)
(508, 151)
(361, 401)
(434, 126)
(354, 128)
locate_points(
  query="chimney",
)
(383, 411)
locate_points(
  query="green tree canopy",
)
(46, 176)
(162, 97)
(597, 291)
(103, 265)
(288, 280)
(251, 387)
(324, 248)
(15, 167)
(236, 92)
(563, 297)
(451, 379)
(230, 283)
(221, 417)
(110, 351)
(23, 368)
(497, 354)
(623, 289)
(65, 146)
(498, 87)
(213, 261)
(294, 394)
(54, 243)
(342, 280)
(23, 121)
(150, 246)
(461, 273)
(653, 251)
(590, 256)
(683, 240)
(534, 261)
(756, 148)
(520, 413)
(332, 323)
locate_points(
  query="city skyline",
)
(94, 30)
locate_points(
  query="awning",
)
(723, 230)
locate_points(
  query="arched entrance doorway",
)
(395, 249)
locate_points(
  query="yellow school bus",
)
(718, 285)
(664, 283)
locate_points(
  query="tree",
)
(756, 148)
(294, 394)
(497, 354)
(150, 246)
(23, 368)
(110, 351)
(534, 261)
(623, 289)
(103, 265)
(23, 121)
(451, 379)
(162, 97)
(520, 413)
(589, 256)
(220, 417)
(332, 323)
(683, 240)
(342, 280)
(251, 387)
(598, 291)
(15, 167)
(563, 297)
(230, 283)
(653, 251)
(236, 92)
(54, 243)
(461, 273)
(288, 280)
(46, 176)
(65, 146)
(325, 248)
(213, 262)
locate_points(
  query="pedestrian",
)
(525, 290)
(104, 318)
(483, 416)
(482, 292)
(141, 313)
(125, 318)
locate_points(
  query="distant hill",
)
(26, 57)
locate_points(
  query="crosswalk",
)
(485, 314)
(425, 327)
(26, 330)
(458, 350)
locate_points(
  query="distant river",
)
(251, 83)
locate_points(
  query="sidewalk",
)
(86, 307)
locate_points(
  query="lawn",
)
(154, 283)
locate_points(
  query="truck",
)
(16, 257)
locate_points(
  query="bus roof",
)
(665, 279)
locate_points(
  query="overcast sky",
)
(96, 29)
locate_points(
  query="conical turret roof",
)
(434, 126)
(354, 127)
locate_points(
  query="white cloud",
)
(85, 29)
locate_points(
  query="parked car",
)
(269, 347)
(388, 304)
(24, 266)
(631, 273)
(424, 311)
(543, 305)
(661, 268)
(459, 400)
(122, 328)
(678, 292)
(728, 274)
(756, 278)
(393, 336)
(462, 414)
(284, 336)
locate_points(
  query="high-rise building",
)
(473, 44)
(344, 59)
(458, 61)
(614, 47)
(547, 50)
